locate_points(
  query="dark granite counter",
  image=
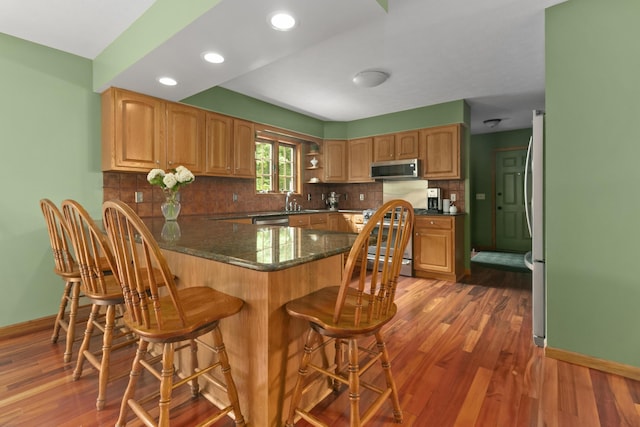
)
(261, 248)
(240, 215)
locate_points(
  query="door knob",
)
(499, 207)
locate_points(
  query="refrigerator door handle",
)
(526, 185)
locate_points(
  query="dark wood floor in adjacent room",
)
(462, 355)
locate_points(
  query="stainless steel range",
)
(413, 191)
(407, 256)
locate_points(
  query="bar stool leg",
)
(386, 367)
(354, 383)
(66, 295)
(166, 384)
(107, 338)
(88, 332)
(136, 369)
(232, 391)
(71, 327)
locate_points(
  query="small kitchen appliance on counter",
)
(434, 200)
(332, 201)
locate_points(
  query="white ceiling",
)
(489, 52)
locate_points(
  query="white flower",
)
(169, 180)
(153, 173)
(184, 175)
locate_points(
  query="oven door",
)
(407, 256)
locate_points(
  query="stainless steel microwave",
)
(396, 169)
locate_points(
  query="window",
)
(277, 165)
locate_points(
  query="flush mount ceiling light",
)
(491, 123)
(167, 81)
(213, 57)
(282, 21)
(370, 78)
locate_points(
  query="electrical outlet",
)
(453, 197)
(361, 197)
(235, 197)
(480, 196)
(138, 196)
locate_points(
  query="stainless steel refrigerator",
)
(534, 207)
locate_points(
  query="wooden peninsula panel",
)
(264, 344)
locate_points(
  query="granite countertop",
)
(237, 215)
(257, 247)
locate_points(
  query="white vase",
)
(314, 162)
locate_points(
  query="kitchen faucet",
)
(286, 201)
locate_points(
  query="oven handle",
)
(381, 259)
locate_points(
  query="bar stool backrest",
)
(60, 239)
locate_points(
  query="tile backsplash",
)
(215, 195)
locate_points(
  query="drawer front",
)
(318, 219)
(434, 223)
(299, 220)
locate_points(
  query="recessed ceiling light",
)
(167, 81)
(213, 57)
(282, 21)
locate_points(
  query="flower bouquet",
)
(171, 182)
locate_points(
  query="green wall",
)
(481, 179)
(161, 21)
(50, 138)
(592, 178)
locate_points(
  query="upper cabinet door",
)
(133, 131)
(335, 161)
(384, 148)
(219, 145)
(185, 137)
(244, 149)
(360, 154)
(440, 152)
(406, 146)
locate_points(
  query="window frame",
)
(277, 138)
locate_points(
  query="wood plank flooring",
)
(462, 355)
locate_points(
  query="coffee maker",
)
(434, 200)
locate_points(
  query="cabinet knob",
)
(157, 162)
(432, 222)
(170, 162)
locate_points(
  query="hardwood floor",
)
(462, 355)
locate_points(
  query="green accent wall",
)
(481, 179)
(159, 23)
(50, 138)
(234, 104)
(592, 178)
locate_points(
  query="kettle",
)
(332, 201)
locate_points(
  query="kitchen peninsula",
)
(266, 266)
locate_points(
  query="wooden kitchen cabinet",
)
(440, 152)
(244, 149)
(133, 131)
(397, 146)
(185, 137)
(438, 247)
(218, 145)
(230, 147)
(317, 221)
(335, 161)
(359, 157)
(140, 132)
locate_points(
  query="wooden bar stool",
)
(66, 267)
(354, 310)
(102, 289)
(167, 318)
